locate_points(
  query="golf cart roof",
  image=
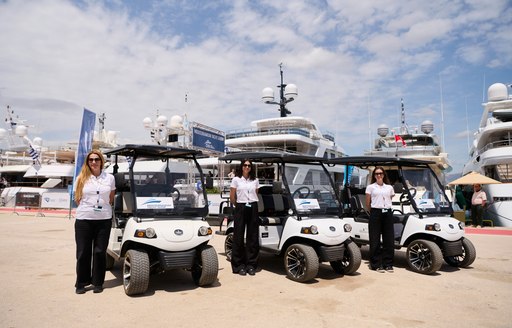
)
(271, 157)
(362, 161)
(153, 151)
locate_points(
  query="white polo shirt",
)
(95, 202)
(380, 195)
(245, 189)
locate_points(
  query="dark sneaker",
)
(80, 290)
(251, 271)
(97, 289)
(242, 272)
(378, 269)
(389, 269)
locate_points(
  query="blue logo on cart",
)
(305, 202)
(152, 201)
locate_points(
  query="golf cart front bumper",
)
(331, 253)
(177, 260)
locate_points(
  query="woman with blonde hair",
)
(94, 194)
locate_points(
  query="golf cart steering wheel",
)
(299, 194)
(174, 193)
(404, 197)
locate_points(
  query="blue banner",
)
(85, 140)
(348, 174)
(208, 140)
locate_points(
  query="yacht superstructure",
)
(418, 142)
(491, 153)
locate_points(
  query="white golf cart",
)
(423, 216)
(159, 216)
(299, 215)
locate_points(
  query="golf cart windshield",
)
(427, 193)
(160, 182)
(312, 192)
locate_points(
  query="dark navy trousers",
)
(246, 223)
(381, 223)
(91, 237)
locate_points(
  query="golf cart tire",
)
(351, 260)
(424, 256)
(301, 262)
(135, 272)
(206, 266)
(109, 264)
(466, 259)
(228, 246)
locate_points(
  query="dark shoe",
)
(389, 269)
(242, 272)
(251, 271)
(378, 269)
(80, 290)
(97, 289)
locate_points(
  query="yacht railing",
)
(256, 132)
(505, 142)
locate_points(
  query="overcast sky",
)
(352, 61)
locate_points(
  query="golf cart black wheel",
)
(228, 246)
(466, 259)
(351, 260)
(299, 192)
(206, 266)
(301, 262)
(110, 262)
(424, 256)
(135, 272)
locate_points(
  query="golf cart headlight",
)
(145, 233)
(433, 227)
(312, 230)
(461, 225)
(204, 231)
(347, 227)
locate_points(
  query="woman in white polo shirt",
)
(244, 194)
(378, 198)
(94, 195)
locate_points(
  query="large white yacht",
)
(28, 167)
(418, 142)
(491, 153)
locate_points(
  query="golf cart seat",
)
(361, 214)
(123, 203)
(272, 207)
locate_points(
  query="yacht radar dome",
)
(497, 92)
(161, 120)
(267, 95)
(147, 122)
(290, 91)
(427, 127)
(38, 141)
(21, 131)
(382, 130)
(177, 122)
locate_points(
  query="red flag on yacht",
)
(399, 138)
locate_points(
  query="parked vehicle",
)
(423, 216)
(300, 216)
(159, 216)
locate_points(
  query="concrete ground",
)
(37, 270)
